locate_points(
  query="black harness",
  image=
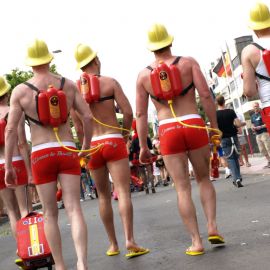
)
(105, 98)
(31, 86)
(257, 74)
(184, 91)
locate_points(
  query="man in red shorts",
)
(112, 157)
(50, 161)
(14, 199)
(178, 143)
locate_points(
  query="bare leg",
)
(47, 195)
(120, 173)
(179, 174)
(12, 207)
(20, 194)
(70, 185)
(245, 155)
(101, 179)
(200, 161)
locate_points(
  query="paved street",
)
(243, 217)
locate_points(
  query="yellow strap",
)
(192, 126)
(106, 125)
(74, 150)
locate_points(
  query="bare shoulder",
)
(189, 60)
(110, 82)
(249, 50)
(20, 91)
(143, 75)
(69, 82)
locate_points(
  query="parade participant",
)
(228, 124)
(262, 137)
(145, 171)
(179, 143)
(14, 199)
(255, 60)
(50, 161)
(112, 157)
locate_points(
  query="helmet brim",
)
(5, 90)
(86, 60)
(259, 25)
(32, 62)
(154, 46)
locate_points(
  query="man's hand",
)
(10, 178)
(145, 156)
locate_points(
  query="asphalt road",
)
(243, 217)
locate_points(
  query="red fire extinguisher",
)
(89, 87)
(214, 159)
(166, 81)
(214, 165)
(52, 107)
(266, 60)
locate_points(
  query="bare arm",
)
(205, 94)
(83, 109)
(77, 124)
(24, 147)
(141, 113)
(238, 123)
(249, 78)
(124, 106)
(14, 116)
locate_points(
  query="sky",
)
(117, 30)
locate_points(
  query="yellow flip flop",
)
(216, 239)
(134, 252)
(112, 253)
(194, 252)
(20, 263)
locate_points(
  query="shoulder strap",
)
(6, 117)
(62, 83)
(186, 89)
(106, 98)
(258, 46)
(28, 119)
(150, 68)
(32, 86)
(176, 60)
(262, 77)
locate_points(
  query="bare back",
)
(25, 98)
(182, 105)
(104, 111)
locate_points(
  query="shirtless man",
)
(256, 78)
(179, 143)
(49, 160)
(14, 199)
(112, 157)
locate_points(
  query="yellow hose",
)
(55, 130)
(106, 125)
(213, 138)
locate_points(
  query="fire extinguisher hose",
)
(95, 149)
(214, 138)
(119, 128)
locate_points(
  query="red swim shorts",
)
(113, 148)
(176, 138)
(19, 167)
(50, 159)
